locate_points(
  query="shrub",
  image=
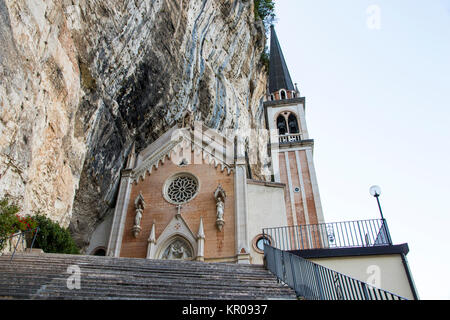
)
(52, 238)
(11, 222)
(8, 221)
(265, 58)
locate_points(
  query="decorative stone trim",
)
(184, 140)
(181, 188)
(177, 228)
(259, 237)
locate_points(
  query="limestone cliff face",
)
(81, 80)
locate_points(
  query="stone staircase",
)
(45, 276)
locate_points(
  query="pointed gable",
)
(177, 141)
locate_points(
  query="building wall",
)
(266, 209)
(392, 274)
(293, 166)
(295, 173)
(100, 236)
(219, 246)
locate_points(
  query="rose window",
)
(181, 189)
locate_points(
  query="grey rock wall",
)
(82, 80)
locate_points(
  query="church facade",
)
(188, 195)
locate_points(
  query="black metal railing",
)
(314, 282)
(350, 234)
(21, 237)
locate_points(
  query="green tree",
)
(265, 11)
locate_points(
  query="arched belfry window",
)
(293, 124)
(283, 95)
(281, 125)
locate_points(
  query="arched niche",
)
(176, 248)
(281, 125)
(99, 252)
(293, 124)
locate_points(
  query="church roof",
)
(279, 77)
(177, 139)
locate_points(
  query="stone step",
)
(167, 273)
(145, 288)
(44, 276)
(73, 295)
(49, 256)
(51, 289)
(149, 264)
(153, 282)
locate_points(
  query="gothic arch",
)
(176, 247)
(177, 229)
(282, 125)
(293, 124)
(99, 251)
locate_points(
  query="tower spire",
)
(279, 77)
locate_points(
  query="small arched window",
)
(281, 125)
(271, 97)
(283, 95)
(293, 124)
(100, 252)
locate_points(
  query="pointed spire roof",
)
(279, 77)
(201, 230)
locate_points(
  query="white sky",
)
(377, 106)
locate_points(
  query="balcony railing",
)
(290, 138)
(314, 282)
(350, 234)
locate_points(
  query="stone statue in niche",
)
(139, 205)
(177, 251)
(220, 208)
(220, 197)
(138, 218)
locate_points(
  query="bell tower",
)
(290, 145)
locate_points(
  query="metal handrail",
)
(21, 236)
(349, 234)
(315, 282)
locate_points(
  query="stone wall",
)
(81, 80)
